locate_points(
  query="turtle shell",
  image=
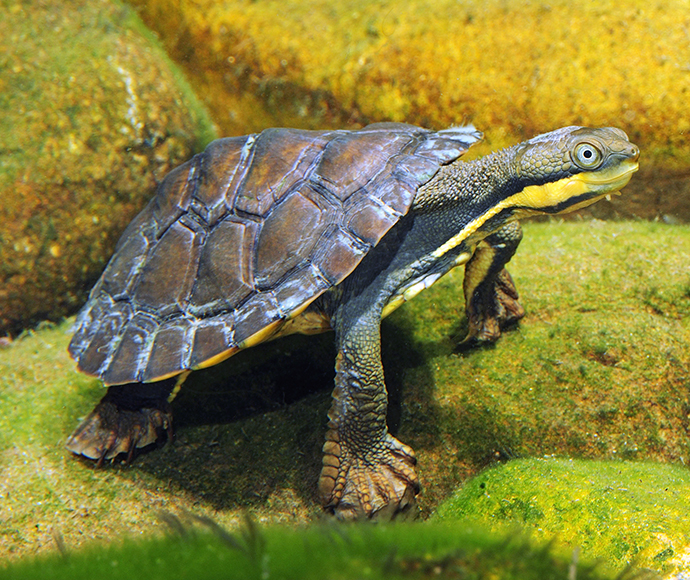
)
(245, 236)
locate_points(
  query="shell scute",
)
(170, 271)
(347, 170)
(164, 210)
(100, 334)
(122, 270)
(414, 169)
(243, 237)
(396, 194)
(260, 311)
(220, 165)
(213, 337)
(224, 277)
(366, 220)
(171, 350)
(449, 144)
(304, 281)
(287, 237)
(336, 253)
(281, 159)
(130, 357)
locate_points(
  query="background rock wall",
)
(92, 116)
(512, 69)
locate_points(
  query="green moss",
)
(592, 372)
(321, 551)
(619, 511)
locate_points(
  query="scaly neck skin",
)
(449, 215)
(476, 184)
(464, 197)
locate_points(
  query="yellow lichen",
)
(524, 68)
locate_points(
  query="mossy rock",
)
(621, 512)
(597, 370)
(92, 115)
(512, 69)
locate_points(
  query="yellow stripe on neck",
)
(536, 198)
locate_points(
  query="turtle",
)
(294, 231)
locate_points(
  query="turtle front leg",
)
(491, 299)
(127, 418)
(366, 471)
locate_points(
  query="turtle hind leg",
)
(127, 418)
(491, 299)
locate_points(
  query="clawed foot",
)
(110, 430)
(380, 484)
(492, 308)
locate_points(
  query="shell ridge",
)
(239, 165)
(242, 171)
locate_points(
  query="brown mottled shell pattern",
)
(245, 235)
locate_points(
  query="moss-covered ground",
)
(618, 511)
(598, 369)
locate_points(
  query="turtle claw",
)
(491, 309)
(110, 430)
(382, 484)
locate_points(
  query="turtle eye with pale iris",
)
(587, 156)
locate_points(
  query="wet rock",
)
(92, 114)
(618, 512)
(514, 70)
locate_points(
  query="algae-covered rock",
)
(92, 114)
(597, 370)
(621, 512)
(512, 69)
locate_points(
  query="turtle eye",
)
(587, 156)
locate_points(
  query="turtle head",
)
(571, 168)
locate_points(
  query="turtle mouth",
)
(613, 179)
(604, 184)
(600, 185)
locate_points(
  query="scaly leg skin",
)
(129, 417)
(366, 473)
(491, 299)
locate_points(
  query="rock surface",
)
(514, 70)
(623, 513)
(597, 370)
(92, 114)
